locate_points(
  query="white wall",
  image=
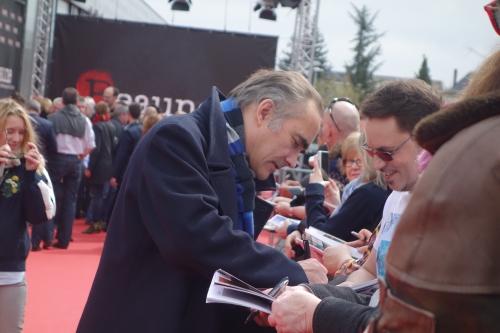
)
(125, 10)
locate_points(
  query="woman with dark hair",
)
(26, 195)
(100, 165)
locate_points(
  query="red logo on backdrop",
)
(92, 83)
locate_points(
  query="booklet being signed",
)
(320, 240)
(226, 288)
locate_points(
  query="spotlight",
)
(290, 3)
(268, 14)
(180, 5)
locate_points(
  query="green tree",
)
(424, 72)
(367, 48)
(320, 56)
(329, 88)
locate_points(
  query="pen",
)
(275, 292)
(354, 233)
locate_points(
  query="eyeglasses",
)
(383, 155)
(9, 132)
(335, 100)
(494, 15)
(349, 163)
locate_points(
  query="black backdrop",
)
(153, 63)
(11, 36)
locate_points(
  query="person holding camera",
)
(25, 196)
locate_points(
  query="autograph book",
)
(226, 288)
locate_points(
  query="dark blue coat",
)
(45, 131)
(362, 210)
(173, 225)
(131, 135)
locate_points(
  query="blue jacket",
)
(174, 224)
(20, 202)
(131, 135)
(45, 131)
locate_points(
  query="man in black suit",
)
(45, 131)
(187, 206)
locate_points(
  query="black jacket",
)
(362, 210)
(19, 204)
(45, 131)
(101, 158)
(131, 135)
(174, 224)
(118, 126)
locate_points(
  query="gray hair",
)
(33, 105)
(90, 103)
(120, 110)
(290, 91)
(58, 100)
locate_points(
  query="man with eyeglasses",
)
(391, 114)
(340, 119)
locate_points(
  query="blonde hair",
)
(486, 79)
(8, 107)
(349, 146)
(149, 122)
(370, 175)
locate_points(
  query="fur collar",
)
(435, 130)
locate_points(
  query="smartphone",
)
(324, 163)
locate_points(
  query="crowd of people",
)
(417, 181)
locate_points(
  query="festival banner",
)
(174, 68)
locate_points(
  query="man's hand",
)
(333, 257)
(315, 271)
(293, 311)
(364, 235)
(281, 230)
(87, 173)
(290, 242)
(113, 182)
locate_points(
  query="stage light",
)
(290, 3)
(268, 14)
(180, 5)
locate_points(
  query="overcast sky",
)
(451, 33)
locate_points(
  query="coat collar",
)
(435, 130)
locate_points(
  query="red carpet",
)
(59, 282)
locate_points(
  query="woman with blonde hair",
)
(25, 196)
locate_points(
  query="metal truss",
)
(304, 38)
(41, 50)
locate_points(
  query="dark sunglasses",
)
(383, 155)
(335, 100)
(494, 15)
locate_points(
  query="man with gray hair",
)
(57, 105)
(188, 206)
(119, 120)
